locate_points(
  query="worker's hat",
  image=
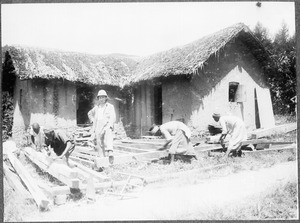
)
(102, 93)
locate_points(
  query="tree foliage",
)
(8, 82)
(282, 70)
(7, 115)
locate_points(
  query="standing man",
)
(56, 140)
(235, 127)
(178, 137)
(103, 117)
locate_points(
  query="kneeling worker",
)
(178, 137)
(235, 127)
(56, 140)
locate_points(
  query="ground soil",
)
(192, 196)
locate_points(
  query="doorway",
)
(85, 96)
(158, 104)
(257, 120)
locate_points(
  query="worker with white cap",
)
(103, 117)
(233, 126)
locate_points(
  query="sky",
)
(132, 28)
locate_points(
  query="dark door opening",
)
(158, 104)
(257, 122)
(85, 96)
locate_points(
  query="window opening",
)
(233, 86)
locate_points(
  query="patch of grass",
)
(284, 119)
(279, 203)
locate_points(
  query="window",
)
(233, 86)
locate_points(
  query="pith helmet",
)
(101, 93)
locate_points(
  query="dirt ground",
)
(198, 195)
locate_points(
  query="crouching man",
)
(56, 141)
(178, 137)
(235, 127)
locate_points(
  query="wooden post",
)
(30, 182)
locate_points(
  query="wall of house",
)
(176, 100)
(52, 104)
(218, 99)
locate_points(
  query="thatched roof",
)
(189, 58)
(32, 62)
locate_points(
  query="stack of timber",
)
(22, 177)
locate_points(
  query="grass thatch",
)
(189, 58)
(32, 62)
(120, 70)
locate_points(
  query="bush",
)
(7, 115)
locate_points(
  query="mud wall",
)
(218, 100)
(52, 104)
(176, 100)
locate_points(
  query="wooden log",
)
(130, 149)
(84, 155)
(85, 149)
(151, 142)
(292, 146)
(264, 141)
(95, 174)
(15, 182)
(88, 162)
(40, 199)
(259, 133)
(103, 162)
(55, 168)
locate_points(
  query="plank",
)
(103, 162)
(292, 146)
(15, 182)
(40, 199)
(58, 170)
(279, 129)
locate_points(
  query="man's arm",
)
(68, 146)
(91, 115)
(224, 131)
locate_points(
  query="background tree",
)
(282, 70)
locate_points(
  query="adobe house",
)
(222, 71)
(57, 89)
